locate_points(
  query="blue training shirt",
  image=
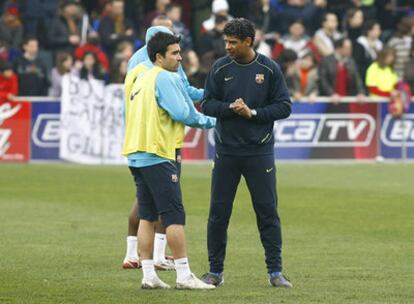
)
(171, 96)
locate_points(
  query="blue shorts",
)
(159, 193)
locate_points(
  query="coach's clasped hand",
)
(239, 107)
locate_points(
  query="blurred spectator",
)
(8, 81)
(65, 30)
(218, 8)
(401, 42)
(324, 37)
(124, 51)
(173, 12)
(11, 28)
(288, 63)
(4, 51)
(93, 45)
(212, 41)
(64, 65)
(90, 67)
(367, 46)
(308, 75)
(162, 20)
(381, 77)
(264, 16)
(338, 73)
(115, 28)
(160, 6)
(295, 40)
(195, 74)
(32, 70)
(352, 23)
(409, 70)
(309, 11)
(260, 45)
(367, 7)
(118, 71)
(38, 16)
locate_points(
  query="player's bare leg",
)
(161, 261)
(131, 259)
(146, 233)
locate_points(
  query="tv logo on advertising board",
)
(325, 130)
(396, 131)
(6, 111)
(46, 130)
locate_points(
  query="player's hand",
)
(239, 107)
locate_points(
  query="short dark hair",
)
(368, 26)
(240, 28)
(339, 43)
(159, 43)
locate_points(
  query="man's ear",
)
(158, 57)
(249, 41)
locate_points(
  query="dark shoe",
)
(280, 281)
(213, 279)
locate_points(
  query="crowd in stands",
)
(324, 47)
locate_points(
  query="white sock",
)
(132, 245)
(148, 269)
(160, 243)
(182, 267)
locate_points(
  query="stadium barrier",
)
(82, 131)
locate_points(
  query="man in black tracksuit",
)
(246, 92)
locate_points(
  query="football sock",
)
(132, 245)
(182, 267)
(148, 269)
(275, 274)
(160, 243)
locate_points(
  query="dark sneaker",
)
(280, 281)
(213, 279)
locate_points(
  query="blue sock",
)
(216, 273)
(275, 274)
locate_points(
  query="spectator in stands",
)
(65, 30)
(338, 73)
(173, 12)
(308, 75)
(38, 16)
(310, 12)
(118, 71)
(160, 6)
(401, 42)
(11, 28)
(381, 77)
(91, 68)
(288, 63)
(352, 23)
(409, 70)
(218, 8)
(162, 20)
(32, 70)
(264, 16)
(296, 39)
(260, 45)
(211, 42)
(124, 51)
(195, 73)
(367, 46)
(115, 28)
(324, 37)
(64, 65)
(93, 45)
(4, 51)
(8, 81)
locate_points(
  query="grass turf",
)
(348, 236)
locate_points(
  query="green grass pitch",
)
(348, 236)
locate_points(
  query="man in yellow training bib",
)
(156, 112)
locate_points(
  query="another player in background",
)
(247, 93)
(157, 110)
(131, 260)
